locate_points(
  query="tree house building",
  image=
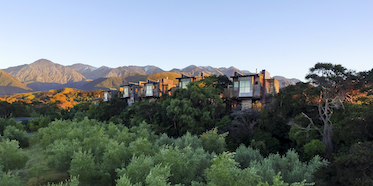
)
(250, 88)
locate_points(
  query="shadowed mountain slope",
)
(10, 85)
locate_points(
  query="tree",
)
(241, 130)
(225, 171)
(21, 136)
(333, 82)
(11, 156)
(353, 168)
(9, 178)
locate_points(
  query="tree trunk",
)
(327, 139)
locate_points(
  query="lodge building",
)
(246, 89)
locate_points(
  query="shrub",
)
(21, 136)
(11, 156)
(38, 123)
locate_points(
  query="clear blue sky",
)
(285, 37)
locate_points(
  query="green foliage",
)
(84, 167)
(11, 156)
(138, 168)
(36, 124)
(315, 147)
(242, 128)
(188, 140)
(21, 136)
(158, 175)
(3, 124)
(195, 110)
(15, 109)
(352, 168)
(60, 152)
(187, 164)
(352, 125)
(115, 156)
(333, 77)
(213, 142)
(105, 111)
(289, 165)
(245, 155)
(9, 178)
(225, 171)
(125, 181)
(72, 182)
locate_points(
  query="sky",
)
(284, 37)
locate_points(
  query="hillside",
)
(10, 85)
(164, 75)
(286, 82)
(64, 98)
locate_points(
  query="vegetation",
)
(312, 133)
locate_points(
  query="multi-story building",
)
(184, 80)
(250, 88)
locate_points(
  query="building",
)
(109, 94)
(251, 88)
(246, 89)
(184, 80)
(166, 85)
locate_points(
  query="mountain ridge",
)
(44, 74)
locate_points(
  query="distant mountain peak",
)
(43, 62)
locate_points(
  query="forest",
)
(314, 133)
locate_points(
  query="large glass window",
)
(184, 83)
(149, 90)
(125, 92)
(245, 86)
(106, 96)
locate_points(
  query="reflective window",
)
(245, 86)
(149, 90)
(125, 91)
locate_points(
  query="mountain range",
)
(43, 74)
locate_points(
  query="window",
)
(149, 90)
(245, 86)
(106, 96)
(125, 92)
(235, 85)
(184, 83)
